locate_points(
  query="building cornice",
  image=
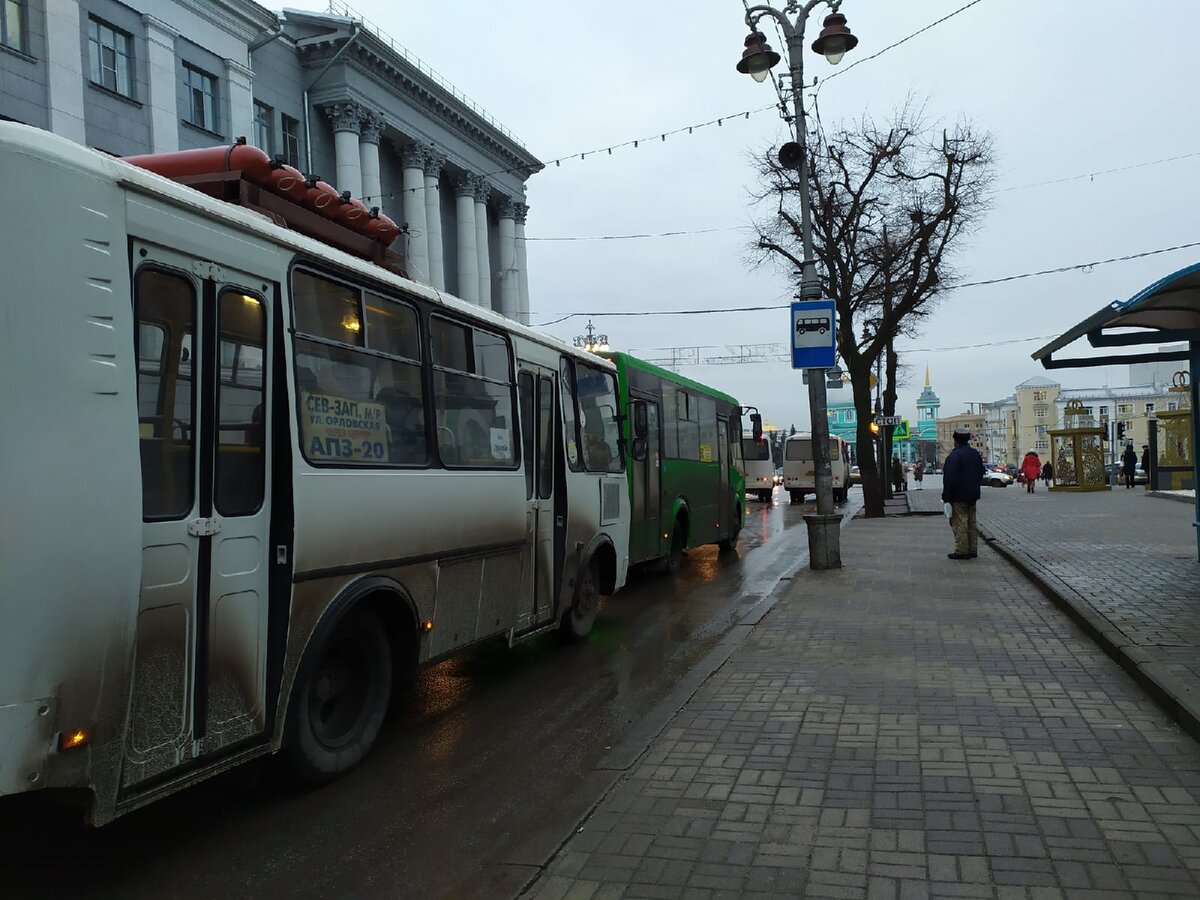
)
(399, 76)
(241, 18)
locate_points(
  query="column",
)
(510, 299)
(412, 160)
(368, 158)
(522, 265)
(433, 219)
(346, 119)
(468, 257)
(64, 69)
(482, 192)
(238, 80)
(161, 79)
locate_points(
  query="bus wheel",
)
(796, 496)
(673, 561)
(339, 699)
(577, 621)
(727, 545)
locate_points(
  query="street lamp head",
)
(835, 39)
(758, 58)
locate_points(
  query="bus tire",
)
(796, 496)
(673, 561)
(727, 545)
(339, 699)
(579, 618)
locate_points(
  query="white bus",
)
(799, 470)
(248, 478)
(757, 467)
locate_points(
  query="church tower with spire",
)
(928, 405)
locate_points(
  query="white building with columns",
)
(331, 93)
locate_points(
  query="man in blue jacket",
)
(961, 477)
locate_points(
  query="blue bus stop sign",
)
(814, 334)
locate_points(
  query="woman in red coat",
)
(1031, 470)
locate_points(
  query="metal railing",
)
(338, 8)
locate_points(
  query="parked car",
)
(996, 479)
(1116, 474)
(855, 477)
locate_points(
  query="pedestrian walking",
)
(1048, 472)
(1146, 463)
(899, 482)
(919, 473)
(1031, 470)
(961, 476)
(1129, 465)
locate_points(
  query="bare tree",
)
(891, 204)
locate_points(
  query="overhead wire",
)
(967, 284)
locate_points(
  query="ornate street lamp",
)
(835, 39)
(591, 342)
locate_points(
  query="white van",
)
(799, 473)
(759, 468)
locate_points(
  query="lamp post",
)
(591, 342)
(757, 59)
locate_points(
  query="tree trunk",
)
(868, 466)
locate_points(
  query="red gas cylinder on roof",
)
(322, 197)
(382, 228)
(288, 182)
(238, 156)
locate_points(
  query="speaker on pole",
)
(790, 155)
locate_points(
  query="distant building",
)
(924, 430)
(327, 91)
(1036, 415)
(975, 421)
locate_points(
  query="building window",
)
(1104, 412)
(1042, 445)
(1041, 429)
(12, 20)
(112, 66)
(1124, 409)
(1172, 404)
(264, 127)
(291, 141)
(202, 97)
(1040, 411)
(1149, 408)
(1039, 395)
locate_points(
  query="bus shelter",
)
(1167, 311)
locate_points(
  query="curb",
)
(1179, 701)
(1167, 495)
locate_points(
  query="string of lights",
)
(661, 137)
(967, 284)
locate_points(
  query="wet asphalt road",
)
(476, 779)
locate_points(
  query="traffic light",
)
(1120, 431)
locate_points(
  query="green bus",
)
(685, 485)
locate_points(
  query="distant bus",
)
(685, 486)
(799, 468)
(260, 477)
(758, 467)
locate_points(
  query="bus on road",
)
(758, 467)
(686, 487)
(799, 469)
(257, 477)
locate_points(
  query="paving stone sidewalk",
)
(908, 726)
(1126, 563)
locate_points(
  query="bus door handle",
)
(203, 527)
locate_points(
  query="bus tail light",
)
(427, 626)
(70, 740)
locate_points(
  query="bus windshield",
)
(753, 450)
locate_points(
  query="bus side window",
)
(570, 417)
(165, 308)
(241, 422)
(473, 395)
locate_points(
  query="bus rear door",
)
(645, 539)
(536, 389)
(205, 420)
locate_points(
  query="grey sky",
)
(1066, 88)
